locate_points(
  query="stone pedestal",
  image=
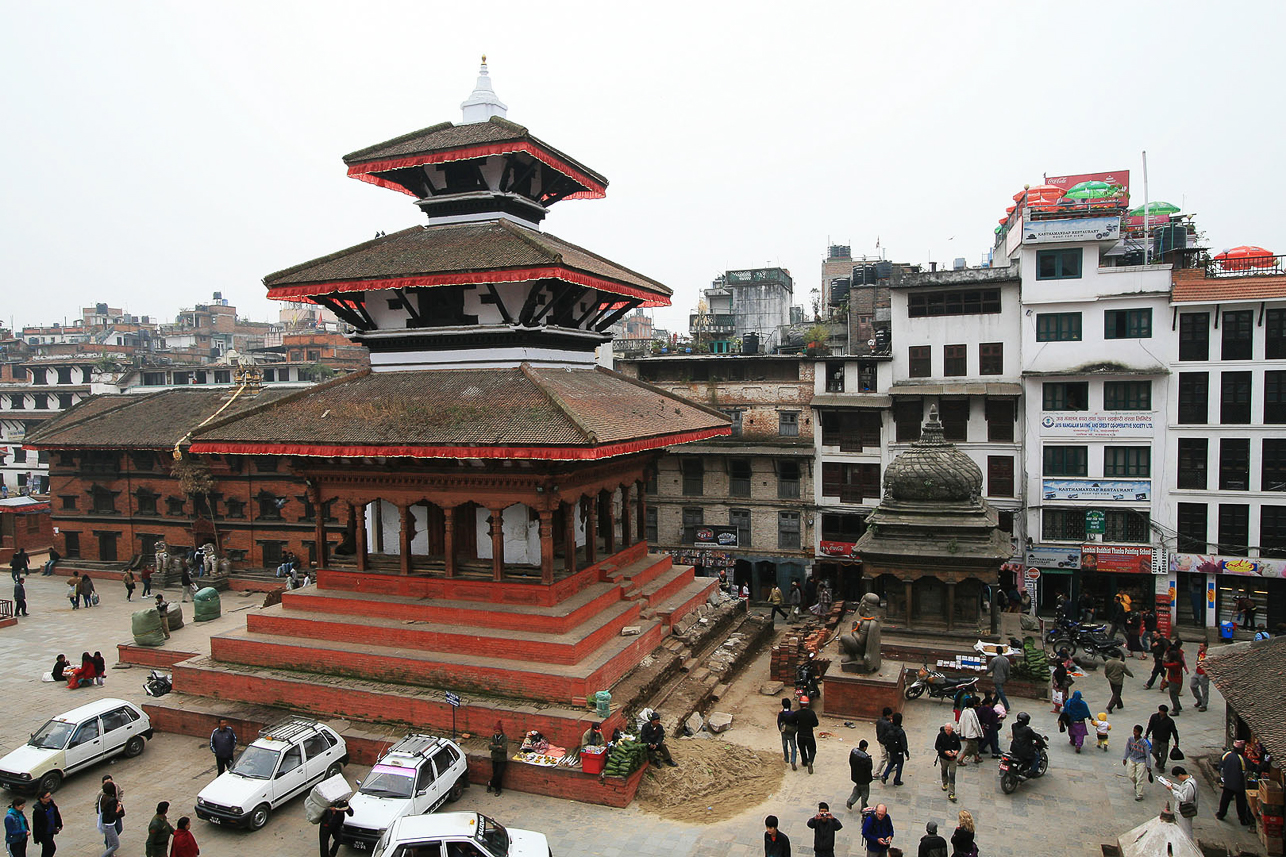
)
(863, 696)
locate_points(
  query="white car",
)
(284, 762)
(417, 775)
(458, 834)
(73, 741)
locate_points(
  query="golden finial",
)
(484, 59)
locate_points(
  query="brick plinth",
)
(253, 584)
(146, 656)
(864, 697)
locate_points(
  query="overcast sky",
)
(156, 153)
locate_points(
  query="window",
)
(19, 455)
(1127, 461)
(1194, 336)
(153, 379)
(18, 401)
(116, 718)
(735, 416)
(41, 401)
(843, 528)
(143, 461)
(1062, 525)
(1058, 264)
(1238, 334)
(788, 530)
(1234, 398)
(1234, 464)
(1234, 529)
(694, 476)
(851, 431)
(66, 459)
(235, 508)
(1067, 396)
(961, 302)
(145, 501)
(1127, 395)
(991, 358)
(314, 746)
(788, 480)
(1000, 420)
(1058, 327)
(908, 415)
(693, 519)
(64, 374)
(740, 518)
(293, 758)
(1272, 531)
(222, 376)
(86, 732)
(920, 360)
(71, 544)
(107, 546)
(1275, 398)
(270, 506)
(954, 415)
(1272, 472)
(1191, 527)
(1127, 526)
(834, 377)
(1194, 452)
(68, 502)
(955, 360)
(1005, 521)
(266, 463)
(1275, 334)
(649, 525)
(1194, 397)
(1066, 461)
(1000, 475)
(273, 552)
(739, 477)
(64, 401)
(851, 483)
(788, 423)
(103, 502)
(174, 507)
(1127, 324)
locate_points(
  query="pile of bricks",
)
(833, 618)
(794, 648)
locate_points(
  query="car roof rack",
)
(415, 745)
(284, 730)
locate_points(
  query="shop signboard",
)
(715, 537)
(1163, 604)
(1239, 565)
(1117, 559)
(1054, 556)
(1099, 425)
(1111, 490)
(1117, 186)
(1095, 522)
(846, 550)
(1075, 229)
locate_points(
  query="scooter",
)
(1013, 770)
(806, 682)
(937, 684)
(158, 684)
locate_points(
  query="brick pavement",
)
(1084, 800)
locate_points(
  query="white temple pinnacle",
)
(482, 104)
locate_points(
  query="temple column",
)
(319, 526)
(642, 521)
(546, 546)
(448, 539)
(497, 521)
(377, 524)
(909, 600)
(609, 537)
(951, 605)
(569, 536)
(358, 514)
(591, 530)
(404, 537)
(626, 541)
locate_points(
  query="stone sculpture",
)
(861, 649)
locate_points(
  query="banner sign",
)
(1098, 424)
(1118, 186)
(715, 537)
(1074, 229)
(1117, 559)
(1119, 490)
(1054, 556)
(1203, 564)
(847, 550)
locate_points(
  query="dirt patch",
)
(715, 780)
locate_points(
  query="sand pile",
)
(714, 781)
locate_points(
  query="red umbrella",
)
(1045, 191)
(1245, 257)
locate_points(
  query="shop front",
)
(1056, 567)
(840, 565)
(1224, 584)
(756, 571)
(1106, 570)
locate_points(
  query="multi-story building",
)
(744, 311)
(837, 268)
(33, 390)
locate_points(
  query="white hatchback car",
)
(285, 761)
(73, 741)
(417, 775)
(458, 834)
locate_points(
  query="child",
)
(1103, 727)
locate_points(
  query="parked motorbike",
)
(158, 684)
(1013, 770)
(806, 681)
(1090, 639)
(937, 684)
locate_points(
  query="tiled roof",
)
(153, 421)
(580, 413)
(1251, 677)
(452, 253)
(1225, 289)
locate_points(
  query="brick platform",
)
(146, 656)
(864, 696)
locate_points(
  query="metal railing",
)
(1249, 266)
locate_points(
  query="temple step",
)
(691, 596)
(640, 573)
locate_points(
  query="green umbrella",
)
(1155, 208)
(1092, 190)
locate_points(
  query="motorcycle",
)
(1091, 639)
(158, 684)
(1013, 770)
(806, 682)
(937, 684)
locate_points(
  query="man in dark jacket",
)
(861, 772)
(1159, 647)
(1115, 670)
(776, 843)
(881, 730)
(824, 826)
(948, 747)
(332, 822)
(18, 564)
(653, 735)
(1162, 730)
(47, 822)
(877, 830)
(806, 721)
(20, 597)
(159, 831)
(931, 844)
(1232, 771)
(223, 744)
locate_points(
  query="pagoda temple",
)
(489, 475)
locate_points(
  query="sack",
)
(1187, 808)
(1176, 755)
(93, 599)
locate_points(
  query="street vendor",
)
(593, 736)
(653, 735)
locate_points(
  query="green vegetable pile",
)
(626, 758)
(1034, 664)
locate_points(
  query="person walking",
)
(895, 740)
(163, 610)
(499, 749)
(931, 844)
(73, 590)
(970, 732)
(1162, 730)
(1175, 666)
(111, 813)
(861, 771)
(86, 590)
(877, 831)
(788, 725)
(1232, 775)
(775, 600)
(16, 829)
(962, 840)
(159, 831)
(806, 721)
(776, 843)
(948, 747)
(223, 744)
(1000, 669)
(185, 580)
(332, 822)
(128, 579)
(20, 597)
(1115, 670)
(18, 564)
(881, 730)
(1183, 791)
(46, 823)
(145, 575)
(1159, 648)
(1138, 760)
(1200, 684)
(796, 599)
(184, 843)
(1077, 712)
(824, 825)
(989, 718)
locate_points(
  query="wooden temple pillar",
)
(546, 546)
(910, 599)
(448, 540)
(497, 521)
(569, 536)
(642, 516)
(319, 526)
(626, 535)
(404, 541)
(377, 525)
(591, 530)
(609, 535)
(951, 605)
(358, 515)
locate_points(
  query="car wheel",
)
(334, 769)
(259, 816)
(134, 746)
(914, 692)
(49, 782)
(457, 789)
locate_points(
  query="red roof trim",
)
(22, 510)
(551, 453)
(469, 278)
(594, 189)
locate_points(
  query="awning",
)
(963, 388)
(851, 400)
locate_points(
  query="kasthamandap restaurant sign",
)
(1099, 490)
(1097, 424)
(1202, 564)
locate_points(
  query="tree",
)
(195, 481)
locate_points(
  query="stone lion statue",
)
(861, 648)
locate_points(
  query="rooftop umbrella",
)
(1092, 190)
(1154, 208)
(1245, 257)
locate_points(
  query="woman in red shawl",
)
(184, 844)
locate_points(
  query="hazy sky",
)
(155, 153)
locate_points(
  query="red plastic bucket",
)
(593, 759)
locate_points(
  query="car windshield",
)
(492, 835)
(53, 735)
(257, 762)
(387, 781)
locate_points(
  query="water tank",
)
(839, 291)
(884, 270)
(1172, 236)
(958, 264)
(750, 343)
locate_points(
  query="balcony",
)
(720, 323)
(1253, 266)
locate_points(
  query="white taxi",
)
(73, 741)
